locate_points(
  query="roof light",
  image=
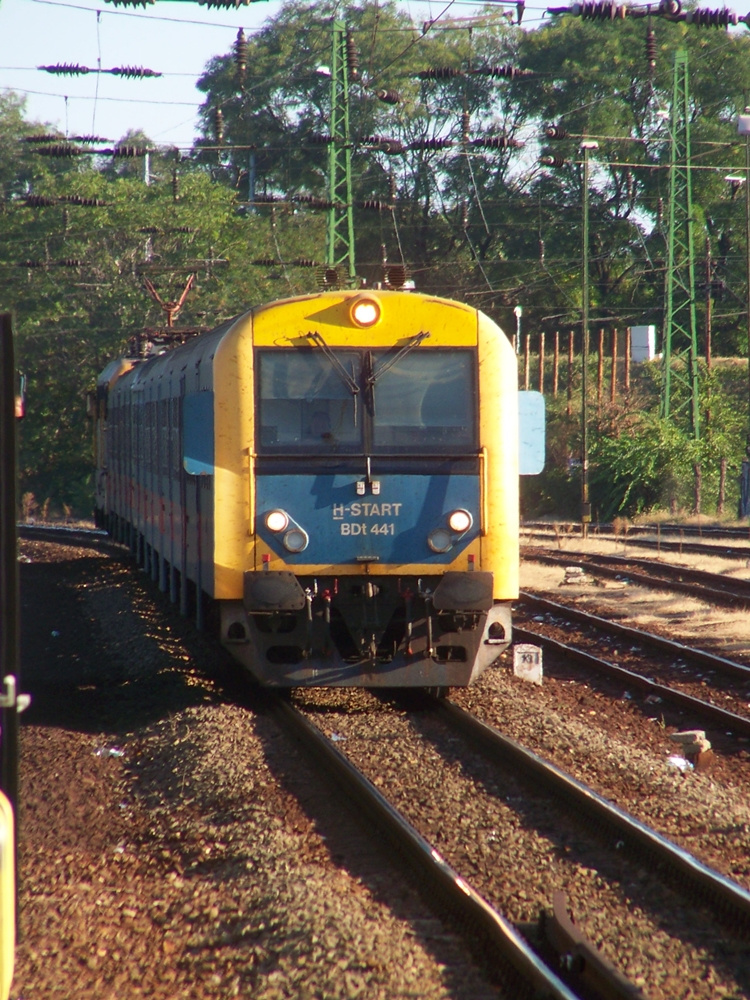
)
(365, 311)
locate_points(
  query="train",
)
(333, 480)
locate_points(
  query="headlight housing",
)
(442, 538)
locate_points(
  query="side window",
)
(198, 433)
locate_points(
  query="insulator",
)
(149, 230)
(711, 18)
(659, 211)
(129, 151)
(439, 73)
(520, 8)
(69, 262)
(602, 11)
(328, 277)
(504, 72)
(219, 125)
(496, 142)
(175, 185)
(650, 51)
(65, 219)
(464, 216)
(319, 138)
(375, 205)
(430, 144)
(312, 201)
(303, 262)
(392, 189)
(265, 262)
(555, 132)
(183, 229)
(552, 161)
(465, 124)
(541, 251)
(384, 143)
(240, 55)
(41, 138)
(226, 4)
(32, 263)
(89, 138)
(39, 201)
(66, 69)
(388, 96)
(395, 275)
(352, 57)
(266, 199)
(130, 3)
(61, 151)
(133, 72)
(77, 199)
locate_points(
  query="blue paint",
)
(198, 433)
(345, 528)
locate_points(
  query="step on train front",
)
(336, 475)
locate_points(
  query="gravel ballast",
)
(174, 845)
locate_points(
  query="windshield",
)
(425, 401)
(304, 403)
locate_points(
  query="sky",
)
(172, 37)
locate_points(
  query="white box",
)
(642, 343)
(527, 662)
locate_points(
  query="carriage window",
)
(426, 401)
(304, 404)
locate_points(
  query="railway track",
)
(665, 529)
(710, 587)
(640, 675)
(659, 545)
(566, 804)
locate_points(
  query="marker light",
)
(459, 521)
(365, 311)
(296, 540)
(277, 520)
(440, 540)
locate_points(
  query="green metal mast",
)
(680, 330)
(340, 250)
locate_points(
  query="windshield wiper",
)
(342, 373)
(374, 373)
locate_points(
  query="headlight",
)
(440, 540)
(365, 311)
(459, 521)
(277, 520)
(295, 540)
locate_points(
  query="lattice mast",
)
(340, 250)
(680, 330)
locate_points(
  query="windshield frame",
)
(357, 411)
